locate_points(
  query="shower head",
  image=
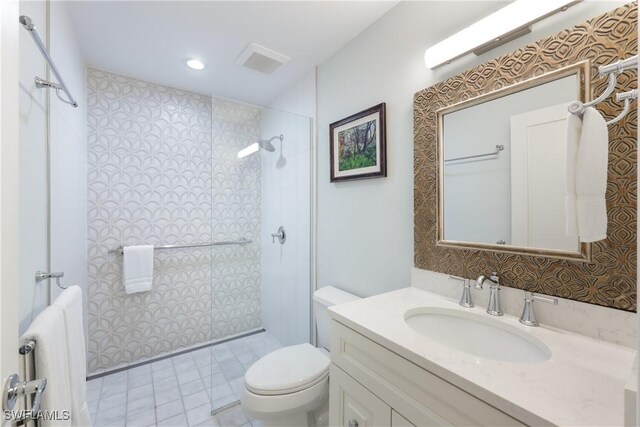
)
(266, 144)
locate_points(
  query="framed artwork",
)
(358, 146)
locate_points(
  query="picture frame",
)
(358, 145)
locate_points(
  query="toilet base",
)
(319, 418)
(309, 407)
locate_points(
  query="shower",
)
(265, 144)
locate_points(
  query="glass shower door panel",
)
(261, 289)
(33, 246)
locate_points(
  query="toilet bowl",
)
(290, 386)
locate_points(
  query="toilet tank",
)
(322, 299)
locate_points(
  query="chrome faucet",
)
(493, 308)
(528, 314)
(465, 299)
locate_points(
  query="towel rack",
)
(30, 389)
(41, 83)
(611, 70)
(499, 148)
(120, 249)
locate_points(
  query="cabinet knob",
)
(353, 423)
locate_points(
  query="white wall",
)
(68, 145)
(365, 237)
(286, 201)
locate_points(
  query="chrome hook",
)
(627, 97)
(577, 107)
(41, 275)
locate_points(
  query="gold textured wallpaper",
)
(610, 278)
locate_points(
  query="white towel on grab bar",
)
(137, 268)
(586, 179)
(70, 301)
(51, 360)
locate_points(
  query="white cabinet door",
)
(538, 169)
(352, 405)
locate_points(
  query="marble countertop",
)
(582, 384)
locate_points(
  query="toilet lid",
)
(287, 370)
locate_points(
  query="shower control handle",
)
(281, 235)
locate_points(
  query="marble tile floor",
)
(180, 390)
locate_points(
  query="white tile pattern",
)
(181, 390)
(160, 171)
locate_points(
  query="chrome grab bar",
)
(120, 249)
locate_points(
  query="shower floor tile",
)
(182, 390)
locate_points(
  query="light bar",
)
(495, 28)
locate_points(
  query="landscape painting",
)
(358, 145)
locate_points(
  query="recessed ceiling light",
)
(195, 64)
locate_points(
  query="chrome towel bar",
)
(120, 249)
(28, 346)
(499, 148)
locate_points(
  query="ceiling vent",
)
(261, 59)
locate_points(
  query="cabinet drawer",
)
(352, 405)
(422, 398)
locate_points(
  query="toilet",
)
(290, 386)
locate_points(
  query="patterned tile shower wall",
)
(151, 169)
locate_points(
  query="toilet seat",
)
(287, 370)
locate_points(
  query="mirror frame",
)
(582, 70)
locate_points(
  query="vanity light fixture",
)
(502, 26)
(195, 64)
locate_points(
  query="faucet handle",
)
(528, 316)
(465, 299)
(534, 297)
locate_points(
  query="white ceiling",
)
(151, 40)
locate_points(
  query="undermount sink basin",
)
(477, 335)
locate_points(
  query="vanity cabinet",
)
(373, 386)
(355, 406)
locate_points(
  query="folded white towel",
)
(70, 301)
(51, 359)
(137, 268)
(587, 166)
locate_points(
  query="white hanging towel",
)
(70, 301)
(51, 359)
(137, 268)
(586, 179)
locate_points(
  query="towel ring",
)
(577, 107)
